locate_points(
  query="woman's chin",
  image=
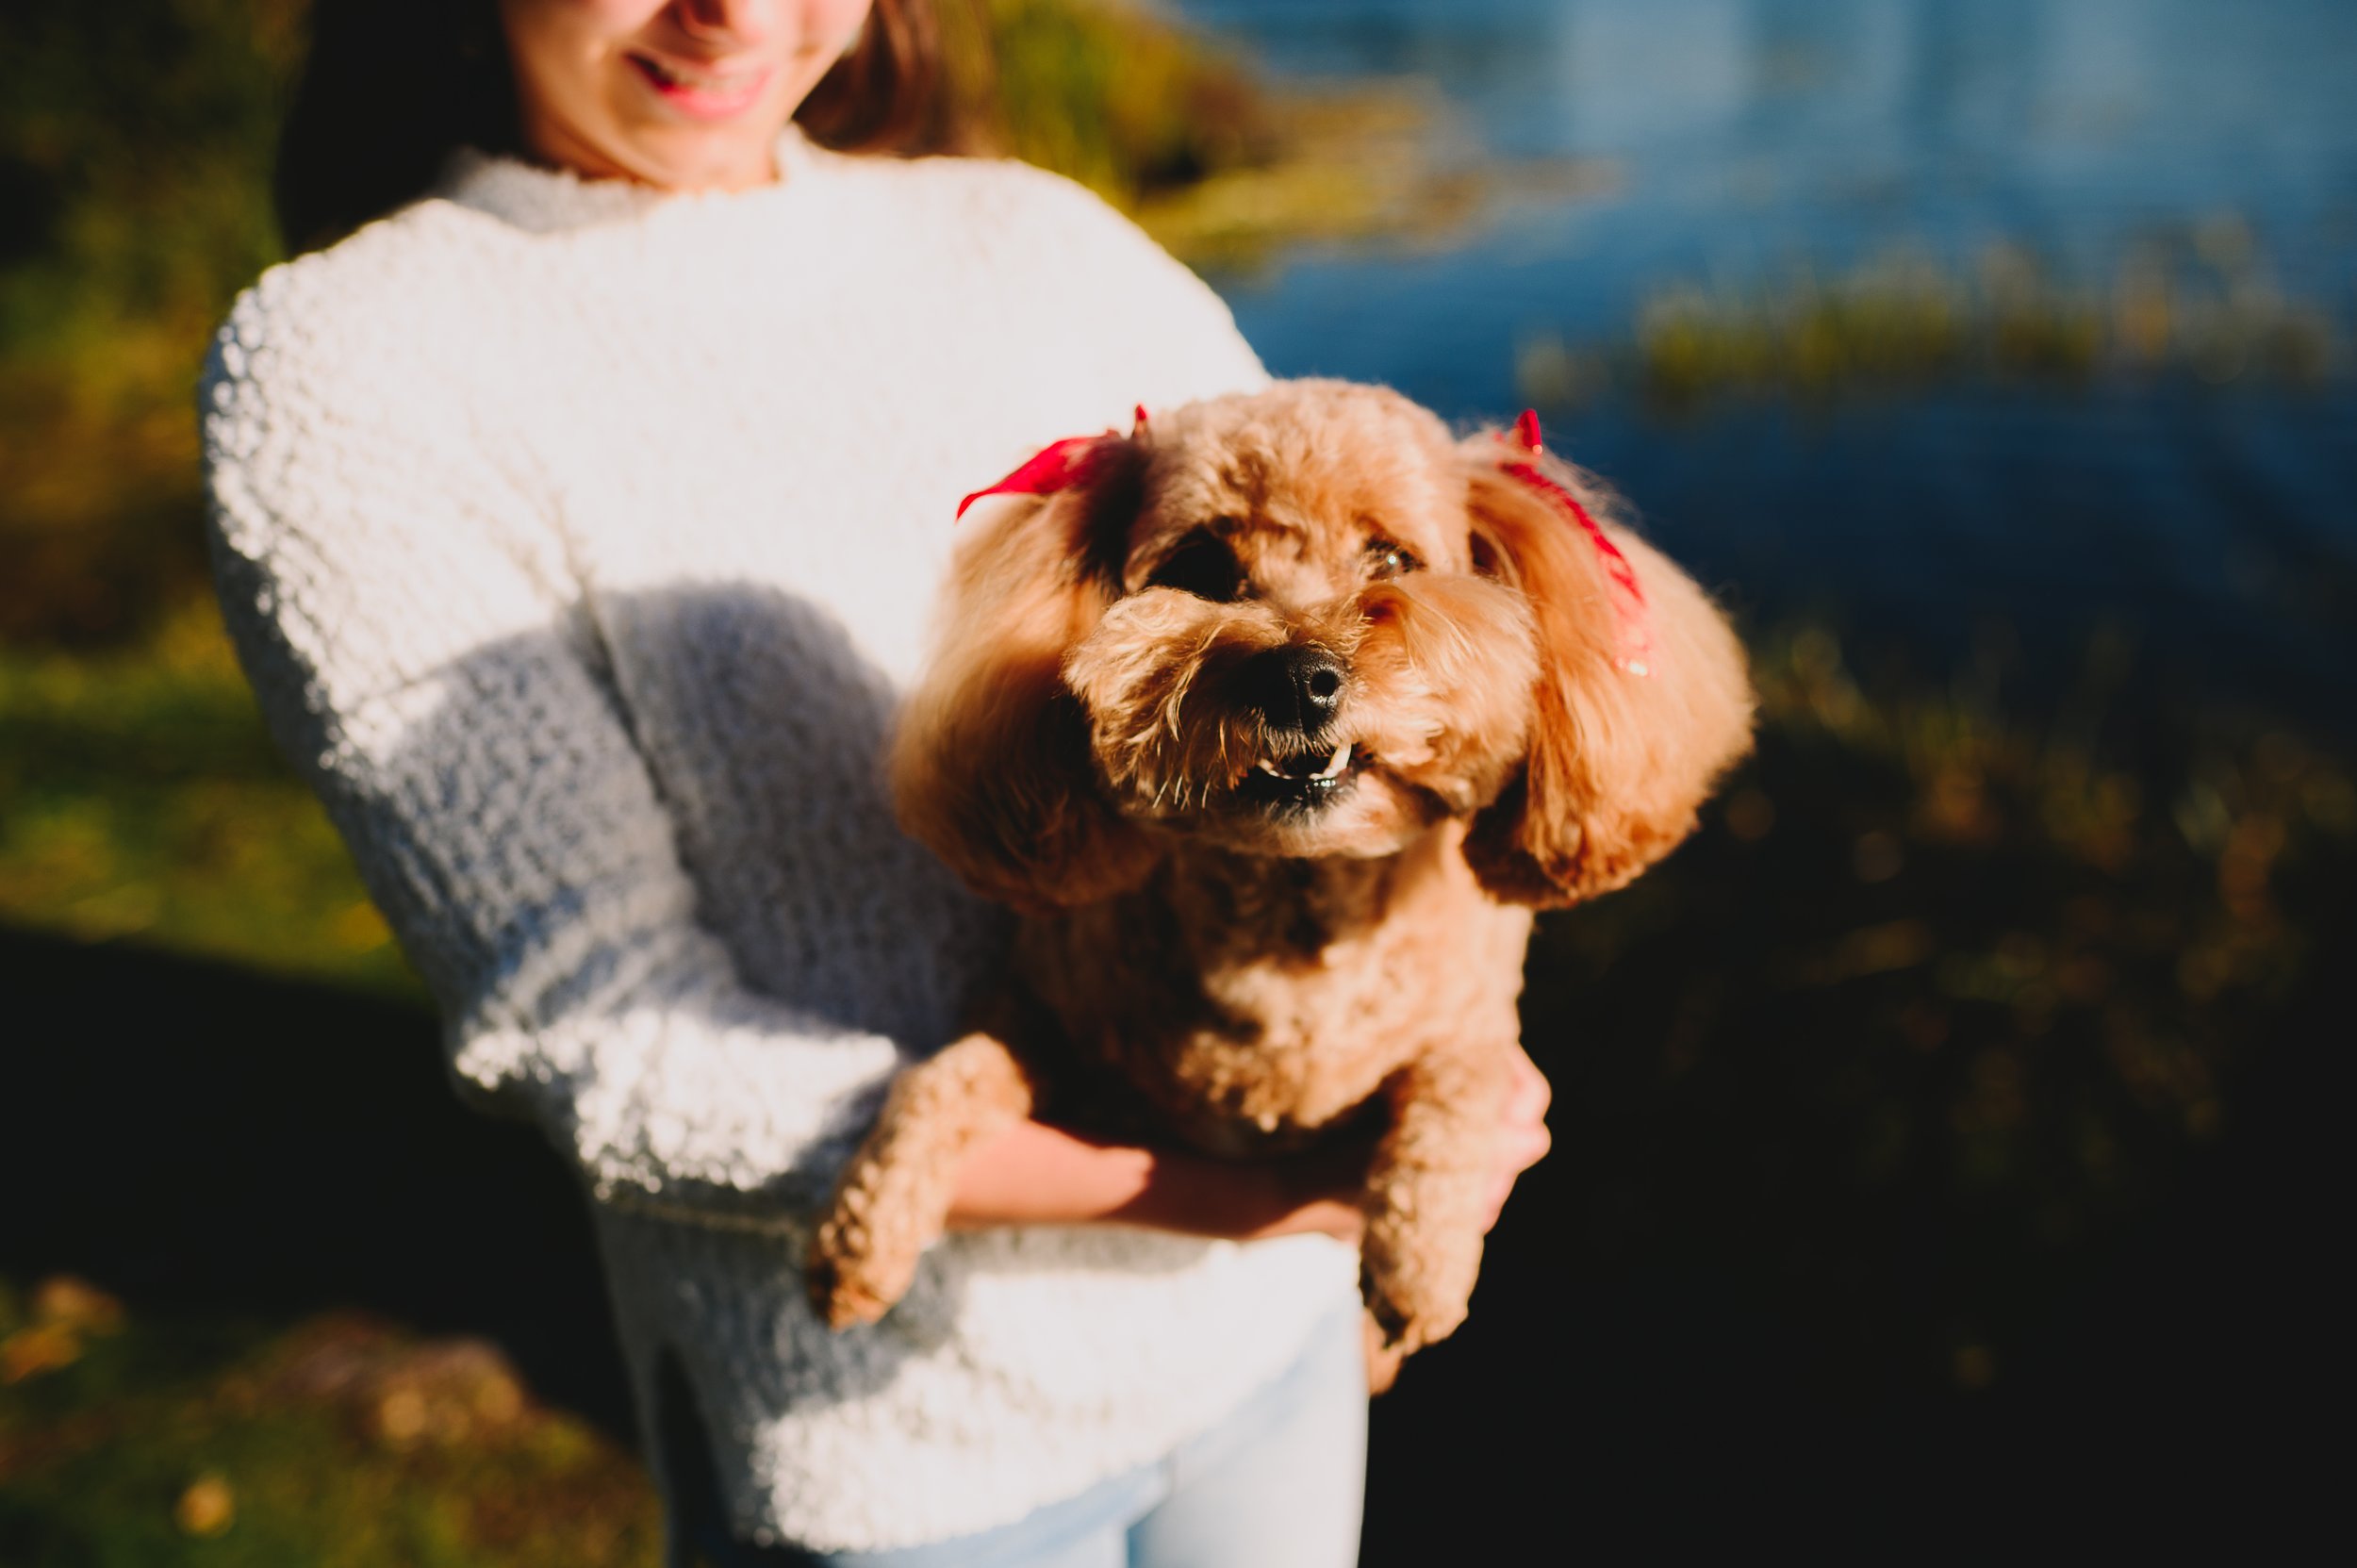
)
(676, 156)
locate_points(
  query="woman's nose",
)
(726, 21)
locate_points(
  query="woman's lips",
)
(701, 92)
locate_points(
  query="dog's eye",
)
(1387, 559)
(1202, 565)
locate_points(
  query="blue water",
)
(2209, 526)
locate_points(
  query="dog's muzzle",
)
(1297, 691)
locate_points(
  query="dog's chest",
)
(1250, 1003)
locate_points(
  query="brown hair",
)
(392, 88)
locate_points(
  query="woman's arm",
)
(403, 603)
(1034, 1174)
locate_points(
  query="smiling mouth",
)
(706, 94)
(1304, 780)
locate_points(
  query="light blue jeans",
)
(1281, 1483)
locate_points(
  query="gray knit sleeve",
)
(402, 604)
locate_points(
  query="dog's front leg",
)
(1426, 1193)
(893, 1200)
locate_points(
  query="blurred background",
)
(1946, 1138)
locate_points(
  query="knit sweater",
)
(579, 541)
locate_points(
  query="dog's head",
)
(1308, 621)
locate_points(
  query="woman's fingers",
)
(1527, 1112)
(1522, 1138)
(1529, 1146)
(1532, 1094)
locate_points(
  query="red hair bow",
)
(1075, 459)
(1629, 598)
(1071, 461)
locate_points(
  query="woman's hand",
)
(1034, 1174)
(1523, 1136)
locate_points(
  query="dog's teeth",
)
(1333, 768)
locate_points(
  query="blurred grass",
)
(1178, 131)
(135, 145)
(2099, 894)
(139, 796)
(2200, 303)
(1945, 999)
(132, 1441)
(1102, 90)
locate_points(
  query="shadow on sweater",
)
(763, 728)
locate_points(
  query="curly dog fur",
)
(1276, 724)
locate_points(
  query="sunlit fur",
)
(1618, 764)
(1253, 971)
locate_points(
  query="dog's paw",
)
(1382, 1357)
(1417, 1277)
(850, 1285)
(1412, 1307)
(843, 1303)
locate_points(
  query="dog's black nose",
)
(1298, 690)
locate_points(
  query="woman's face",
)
(685, 95)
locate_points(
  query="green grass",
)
(2200, 305)
(1103, 90)
(139, 796)
(1934, 945)
(335, 1441)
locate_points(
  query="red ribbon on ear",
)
(1629, 598)
(1069, 462)
(1059, 466)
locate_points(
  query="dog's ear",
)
(1642, 698)
(991, 766)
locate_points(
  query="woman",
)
(578, 522)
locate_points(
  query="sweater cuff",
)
(710, 1100)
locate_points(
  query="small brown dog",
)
(1276, 717)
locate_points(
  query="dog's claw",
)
(1383, 1358)
(840, 1303)
(1425, 1317)
(843, 1293)
(849, 1309)
(1386, 1315)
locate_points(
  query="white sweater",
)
(578, 541)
